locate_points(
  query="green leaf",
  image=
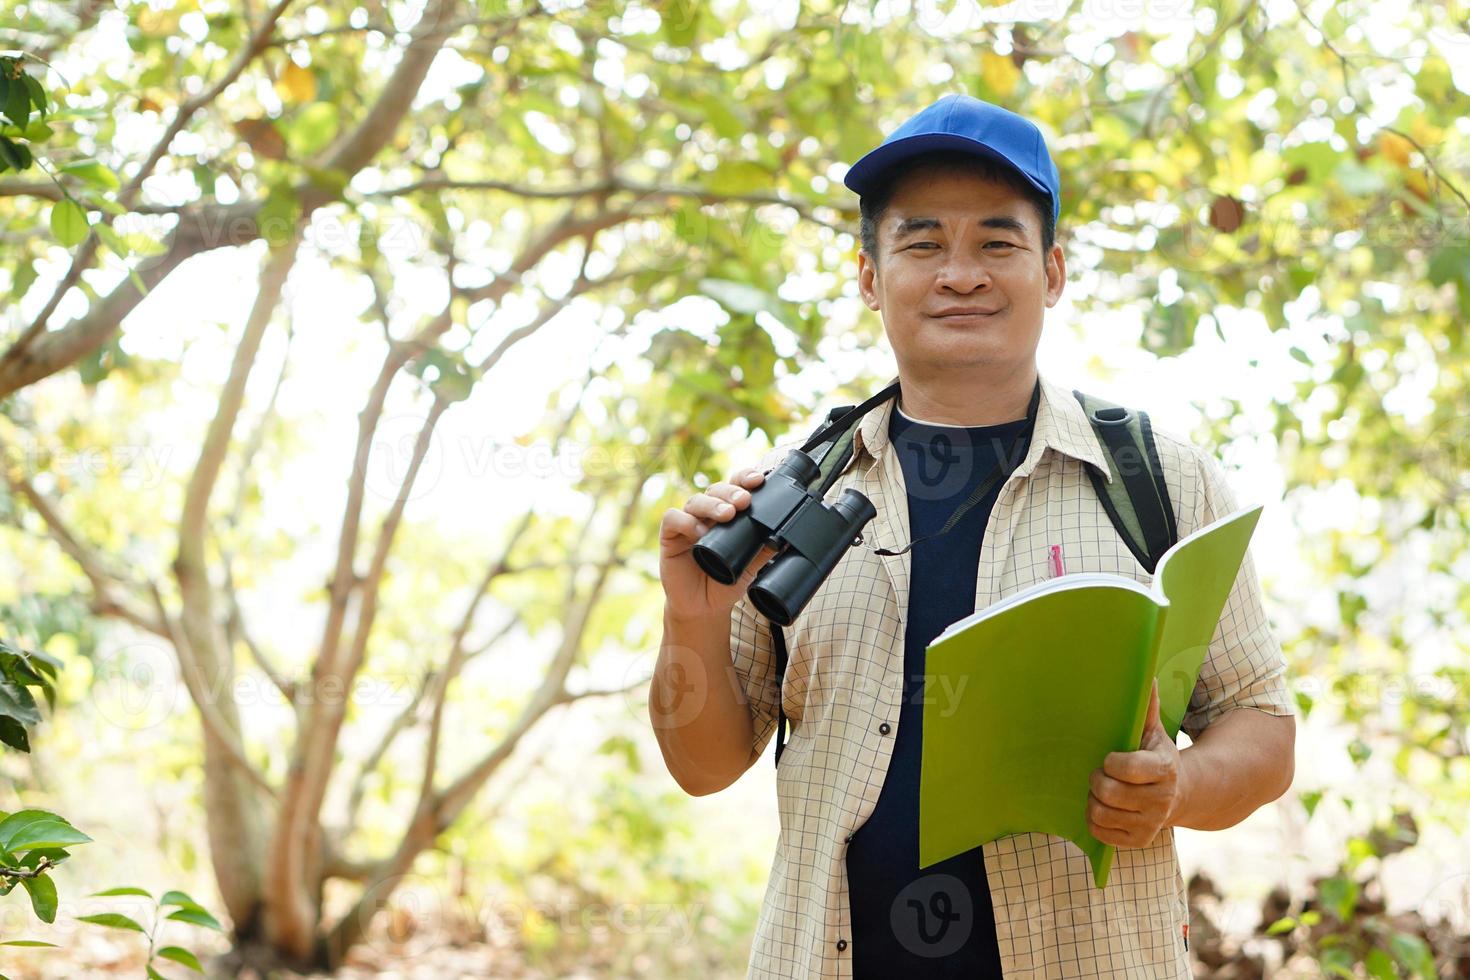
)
(28, 942)
(43, 896)
(1340, 896)
(1281, 925)
(68, 222)
(12, 823)
(313, 128)
(18, 104)
(93, 172)
(154, 974)
(180, 955)
(1337, 962)
(739, 297)
(1380, 965)
(739, 177)
(1414, 953)
(198, 917)
(114, 920)
(28, 829)
(276, 218)
(10, 155)
(13, 734)
(179, 898)
(124, 890)
(114, 241)
(33, 858)
(17, 702)
(1310, 799)
(37, 94)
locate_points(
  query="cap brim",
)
(870, 173)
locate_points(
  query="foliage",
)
(20, 671)
(185, 909)
(1286, 177)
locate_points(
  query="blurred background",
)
(350, 354)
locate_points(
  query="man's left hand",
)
(1135, 795)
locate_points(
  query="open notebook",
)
(1024, 698)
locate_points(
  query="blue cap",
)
(963, 122)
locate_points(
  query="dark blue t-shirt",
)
(937, 922)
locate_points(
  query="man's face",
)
(962, 281)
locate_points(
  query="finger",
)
(730, 493)
(1139, 767)
(709, 509)
(1117, 838)
(1113, 792)
(1103, 815)
(681, 524)
(749, 478)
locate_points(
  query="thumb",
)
(1151, 718)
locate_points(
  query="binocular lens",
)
(783, 588)
(727, 549)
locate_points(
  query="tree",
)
(1253, 163)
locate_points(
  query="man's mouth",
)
(966, 317)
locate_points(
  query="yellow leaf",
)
(297, 84)
(1395, 147)
(1000, 73)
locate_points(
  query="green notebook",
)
(1026, 697)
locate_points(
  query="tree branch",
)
(101, 579)
(217, 729)
(129, 192)
(448, 804)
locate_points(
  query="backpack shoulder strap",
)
(1137, 498)
(838, 452)
(778, 641)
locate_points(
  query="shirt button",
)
(884, 728)
(841, 945)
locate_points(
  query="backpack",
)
(1136, 501)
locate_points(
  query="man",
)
(958, 256)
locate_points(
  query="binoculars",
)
(808, 535)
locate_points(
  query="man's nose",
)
(964, 273)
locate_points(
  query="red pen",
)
(1055, 551)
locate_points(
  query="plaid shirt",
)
(845, 680)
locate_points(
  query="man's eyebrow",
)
(1004, 222)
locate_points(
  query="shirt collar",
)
(1061, 425)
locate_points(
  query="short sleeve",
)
(752, 653)
(754, 659)
(1244, 667)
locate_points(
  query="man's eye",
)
(917, 244)
(1001, 244)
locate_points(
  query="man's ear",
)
(1056, 274)
(867, 279)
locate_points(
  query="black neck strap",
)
(1008, 461)
(1003, 469)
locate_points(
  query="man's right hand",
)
(689, 593)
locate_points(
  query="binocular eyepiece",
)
(808, 534)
